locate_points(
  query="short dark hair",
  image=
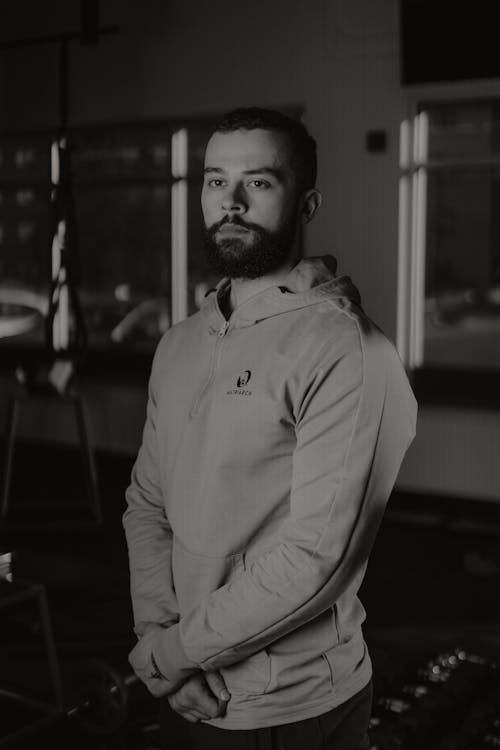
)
(303, 145)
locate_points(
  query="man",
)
(277, 420)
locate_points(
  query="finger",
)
(173, 702)
(199, 697)
(192, 717)
(217, 685)
(156, 689)
(192, 713)
(196, 697)
(198, 712)
(187, 712)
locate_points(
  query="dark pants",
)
(342, 728)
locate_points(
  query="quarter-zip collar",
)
(310, 282)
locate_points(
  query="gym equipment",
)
(16, 319)
(65, 328)
(103, 707)
(100, 710)
(448, 702)
(95, 694)
(44, 388)
(39, 713)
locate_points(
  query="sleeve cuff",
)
(168, 652)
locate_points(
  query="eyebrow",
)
(277, 173)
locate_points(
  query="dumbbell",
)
(103, 704)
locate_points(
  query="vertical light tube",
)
(57, 334)
(54, 163)
(179, 207)
(60, 324)
(404, 245)
(419, 230)
(419, 268)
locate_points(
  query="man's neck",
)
(243, 289)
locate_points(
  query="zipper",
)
(213, 369)
(222, 332)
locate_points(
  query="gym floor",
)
(431, 587)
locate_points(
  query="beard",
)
(244, 258)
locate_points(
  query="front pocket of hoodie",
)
(345, 658)
(196, 576)
(250, 676)
(298, 657)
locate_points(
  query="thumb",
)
(217, 685)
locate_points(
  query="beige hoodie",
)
(271, 445)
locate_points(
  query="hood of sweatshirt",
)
(310, 282)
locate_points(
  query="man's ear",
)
(309, 203)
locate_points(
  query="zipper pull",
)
(223, 330)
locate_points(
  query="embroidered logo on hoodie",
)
(243, 379)
(241, 383)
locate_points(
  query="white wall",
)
(338, 58)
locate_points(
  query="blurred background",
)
(105, 110)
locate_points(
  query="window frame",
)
(435, 386)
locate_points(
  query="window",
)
(137, 250)
(24, 233)
(137, 236)
(449, 263)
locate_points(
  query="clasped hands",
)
(203, 695)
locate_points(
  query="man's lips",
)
(232, 229)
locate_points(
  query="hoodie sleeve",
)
(148, 532)
(355, 418)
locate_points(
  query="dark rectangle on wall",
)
(89, 21)
(448, 41)
(462, 389)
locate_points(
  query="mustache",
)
(235, 221)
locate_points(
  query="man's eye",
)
(260, 183)
(215, 182)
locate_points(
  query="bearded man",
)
(277, 420)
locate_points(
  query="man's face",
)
(249, 202)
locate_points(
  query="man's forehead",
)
(247, 149)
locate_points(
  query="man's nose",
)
(234, 201)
